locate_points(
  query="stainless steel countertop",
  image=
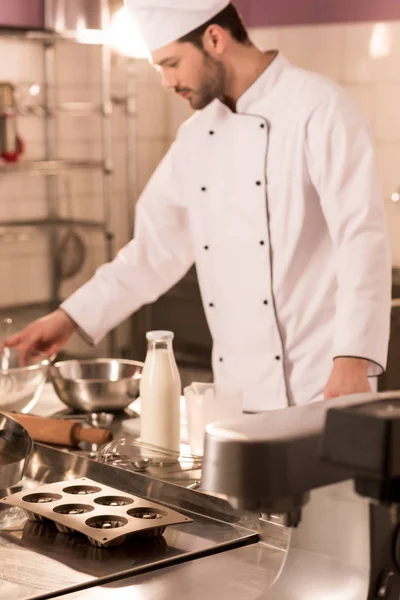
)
(235, 573)
(240, 574)
(36, 561)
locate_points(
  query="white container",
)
(206, 403)
(160, 391)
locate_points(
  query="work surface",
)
(38, 562)
(242, 574)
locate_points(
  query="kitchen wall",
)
(299, 12)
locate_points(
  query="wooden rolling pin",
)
(60, 432)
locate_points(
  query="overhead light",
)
(88, 36)
(395, 197)
(34, 90)
(125, 37)
(381, 42)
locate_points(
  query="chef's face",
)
(193, 73)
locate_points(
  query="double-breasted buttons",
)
(262, 242)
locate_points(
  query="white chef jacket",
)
(280, 207)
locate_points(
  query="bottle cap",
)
(159, 336)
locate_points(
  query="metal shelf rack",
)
(49, 167)
(59, 222)
(52, 166)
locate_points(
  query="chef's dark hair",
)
(229, 19)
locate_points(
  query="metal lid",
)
(159, 336)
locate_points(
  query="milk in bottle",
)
(160, 390)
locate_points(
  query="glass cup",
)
(207, 403)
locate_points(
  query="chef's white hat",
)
(164, 21)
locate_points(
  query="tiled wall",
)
(296, 12)
(24, 252)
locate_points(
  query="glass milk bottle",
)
(160, 391)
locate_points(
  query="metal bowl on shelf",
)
(96, 385)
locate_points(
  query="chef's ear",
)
(215, 39)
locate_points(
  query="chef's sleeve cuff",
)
(374, 368)
(81, 332)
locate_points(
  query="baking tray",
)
(104, 515)
(37, 562)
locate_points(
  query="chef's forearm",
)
(110, 296)
(137, 276)
(343, 169)
(157, 258)
(363, 334)
(363, 300)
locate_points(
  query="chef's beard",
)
(212, 83)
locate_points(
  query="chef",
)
(271, 190)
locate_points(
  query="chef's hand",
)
(348, 376)
(43, 337)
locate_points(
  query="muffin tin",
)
(105, 515)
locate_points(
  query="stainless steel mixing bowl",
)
(95, 385)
